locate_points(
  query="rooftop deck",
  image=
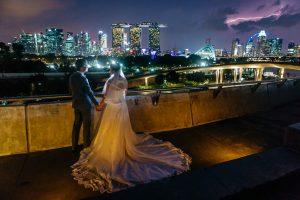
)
(47, 175)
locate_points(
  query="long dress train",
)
(119, 158)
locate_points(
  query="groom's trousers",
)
(82, 117)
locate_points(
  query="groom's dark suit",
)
(82, 100)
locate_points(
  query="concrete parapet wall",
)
(283, 93)
(49, 126)
(172, 111)
(13, 137)
(214, 105)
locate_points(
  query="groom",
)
(82, 99)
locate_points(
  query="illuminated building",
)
(274, 46)
(220, 53)
(249, 49)
(207, 52)
(297, 50)
(235, 48)
(154, 38)
(94, 48)
(83, 44)
(69, 47)
(54, 40)
(135, 32)
(186, 52)
(117, 37)
(40, 43)
(291, 49)
(28, 41)
(125, 45)
(261, 44)
(102, 42)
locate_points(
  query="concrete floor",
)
(46, 175)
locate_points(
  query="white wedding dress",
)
(119, 158)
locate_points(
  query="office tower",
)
(94, 48)
(84, 45)
(40, 43)
(102, 42)
(297, 50)
(235, 47)
(249, 48)
(54, 40)
(291, 49)
(28, 42)
(274, 46)
(76, 45)
(261, 44)
(69, 47)
(135, 32)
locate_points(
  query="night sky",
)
(189, 22)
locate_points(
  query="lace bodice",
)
(115, 89)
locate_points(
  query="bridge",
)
(219, 71)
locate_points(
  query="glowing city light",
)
(203, 64)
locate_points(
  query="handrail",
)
(149, 91)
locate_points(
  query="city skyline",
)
(189, 23)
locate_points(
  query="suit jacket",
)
(82, 94)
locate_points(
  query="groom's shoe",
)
(75, 149)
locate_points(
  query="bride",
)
(119, 158)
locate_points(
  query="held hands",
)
(100, 106)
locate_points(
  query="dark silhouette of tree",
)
(196, 76)
(159, 79)
(18, 50)
(194, 59)
(4, 54)
(172, 77)
(50, 57)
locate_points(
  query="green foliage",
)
(172, 77)
(18, 50)
(196, 77)
(160, 79)
(228, 74)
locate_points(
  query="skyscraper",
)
(40, 43)
(274, 46)
(135, 32)
(69, 47)
(54, 40)
(117, 36)
(235, 47)
(297, 50)
(28, 41)
(261, 44)
(154, 37)
(102, 42)
(291, 49)
(84, 45)
(249, 49)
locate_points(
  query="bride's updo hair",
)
(115, 67)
